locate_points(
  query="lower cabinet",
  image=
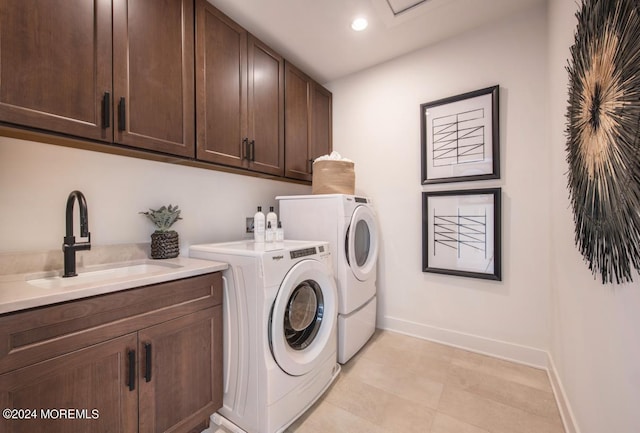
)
(175, 360)
(164, 374)
(91, 383)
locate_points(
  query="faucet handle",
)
(85, 245)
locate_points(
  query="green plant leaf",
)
(164, 217)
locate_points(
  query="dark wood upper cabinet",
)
(55, 65)
(153, 83)
(177, 77)
(321, 121)
(297, 113)
(308, 132)
(240, 95)
(265, 108)
(221, 86)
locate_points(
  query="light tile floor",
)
(404, 384)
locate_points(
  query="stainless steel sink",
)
(103, 274)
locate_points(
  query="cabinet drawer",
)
(33, 335)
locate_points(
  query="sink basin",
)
(103, 275)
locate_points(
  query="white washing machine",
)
(280, 348)
(348, 223)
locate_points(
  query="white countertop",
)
(21, 291)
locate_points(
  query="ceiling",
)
(316, 35)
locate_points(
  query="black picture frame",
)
(461, 233)
(460, 137)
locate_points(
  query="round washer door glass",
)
(362, 243)
(302, 325)
(303, 315)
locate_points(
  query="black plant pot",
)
(164, 245)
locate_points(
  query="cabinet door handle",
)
(245, 148)
(252, 144)
(132, 369)
(106, 110)
(121, 115)
(147, 362)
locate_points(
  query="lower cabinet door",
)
(180, 372)
(84, 391)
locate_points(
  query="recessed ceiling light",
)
(359, 24)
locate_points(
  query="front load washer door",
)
(361, 244)
(303, 318)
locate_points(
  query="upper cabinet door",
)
(153, 79)
(55, 65)
(266, 108)
(239, 95)
(308, 121)
(297, 113)
(221, 86)
(321, 121)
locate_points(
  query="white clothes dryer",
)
(349, 224)
(279, 315)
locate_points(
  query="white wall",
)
(36, 178)
(595, 338)
(377, 124)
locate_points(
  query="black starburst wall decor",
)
(603, 142)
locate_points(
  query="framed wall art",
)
(460, 137)
(462, 233)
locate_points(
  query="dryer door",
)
(361, 243)
(302, 326)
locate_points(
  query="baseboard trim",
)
(569, 421)
(500, 349)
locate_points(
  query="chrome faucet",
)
(69, 247)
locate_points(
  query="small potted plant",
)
(164, 242)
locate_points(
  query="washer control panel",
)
(296, 254)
